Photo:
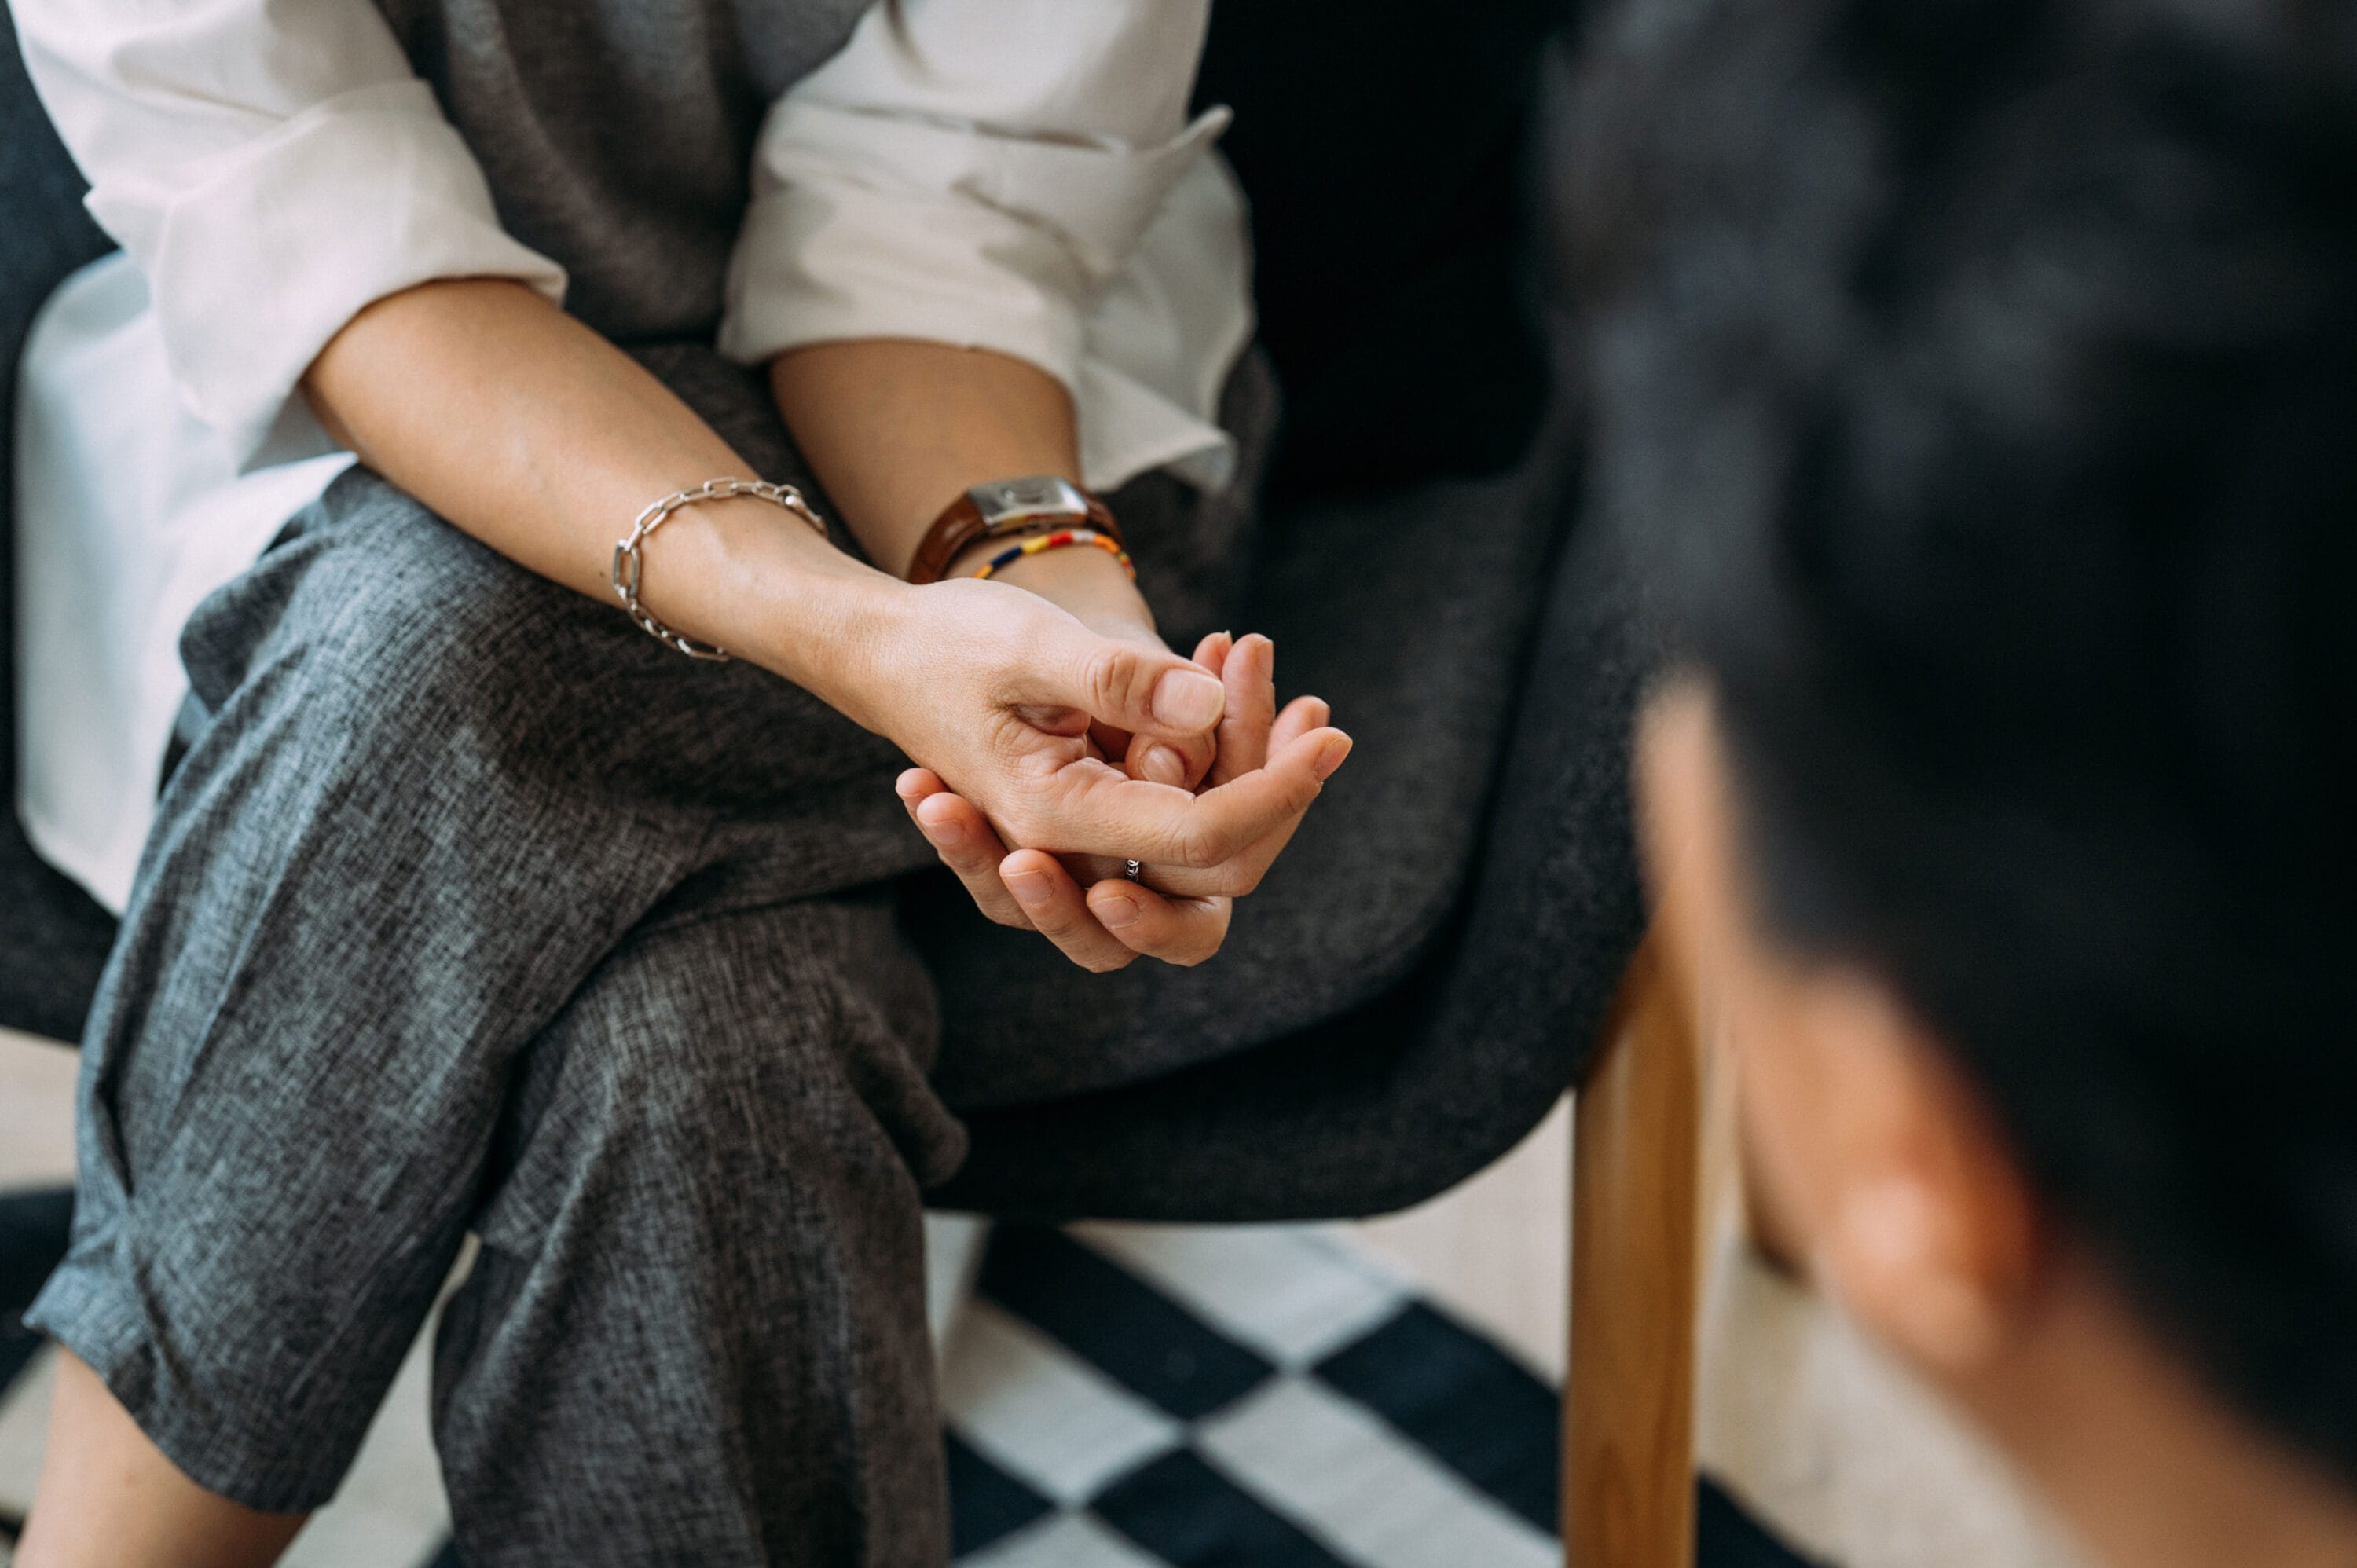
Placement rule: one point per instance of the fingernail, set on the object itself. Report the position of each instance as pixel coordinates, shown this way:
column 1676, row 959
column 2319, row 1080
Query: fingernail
column 1115, row 910
column 1163, row 765
column 1188, row 700
column 1031, row 887
column 1331, row 758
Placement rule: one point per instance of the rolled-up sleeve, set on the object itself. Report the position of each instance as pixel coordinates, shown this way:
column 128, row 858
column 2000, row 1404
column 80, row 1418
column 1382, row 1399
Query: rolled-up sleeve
column 272, row 167
column 970, row 174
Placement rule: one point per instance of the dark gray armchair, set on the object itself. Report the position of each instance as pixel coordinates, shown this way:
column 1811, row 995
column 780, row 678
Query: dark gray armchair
column 1509, row 907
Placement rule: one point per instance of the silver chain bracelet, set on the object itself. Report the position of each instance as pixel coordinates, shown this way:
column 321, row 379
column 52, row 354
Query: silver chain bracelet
column 628, row 562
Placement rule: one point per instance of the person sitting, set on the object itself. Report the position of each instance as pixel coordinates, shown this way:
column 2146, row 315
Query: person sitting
column 1986, row 376
column 535, row 476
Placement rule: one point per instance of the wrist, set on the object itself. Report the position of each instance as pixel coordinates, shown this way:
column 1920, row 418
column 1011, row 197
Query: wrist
column 1087, row 583
column 778, row 595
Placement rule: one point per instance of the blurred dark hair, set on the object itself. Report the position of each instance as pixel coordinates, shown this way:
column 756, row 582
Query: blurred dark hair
column 1982, row 377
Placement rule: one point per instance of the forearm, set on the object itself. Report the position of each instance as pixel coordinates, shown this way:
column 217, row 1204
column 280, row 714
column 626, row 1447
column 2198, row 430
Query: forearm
column 896, row 429
column 527, row 430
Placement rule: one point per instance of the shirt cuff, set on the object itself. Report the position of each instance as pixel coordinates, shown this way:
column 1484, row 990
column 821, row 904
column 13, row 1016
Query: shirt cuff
column 258, row 255
column 871, row 225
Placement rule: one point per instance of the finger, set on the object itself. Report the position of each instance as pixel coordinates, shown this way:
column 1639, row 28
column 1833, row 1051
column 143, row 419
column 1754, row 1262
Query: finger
column 1184, row 931
column 1300, row 717
column 1187, row 763
column 1125, row 685
column 966, row 843
column 1240, row 873
column 1213, row 651
column 1183, row 763
column 1250, row 677
column 1238, row 877
column 1094, row 809
column 1088, row 870
column 1156, row 760
column 1060, row 912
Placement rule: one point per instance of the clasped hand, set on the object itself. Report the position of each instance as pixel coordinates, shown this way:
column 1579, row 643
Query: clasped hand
column 1058, row 751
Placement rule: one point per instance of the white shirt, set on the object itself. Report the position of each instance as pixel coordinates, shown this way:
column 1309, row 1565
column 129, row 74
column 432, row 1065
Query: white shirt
column 1016, row 175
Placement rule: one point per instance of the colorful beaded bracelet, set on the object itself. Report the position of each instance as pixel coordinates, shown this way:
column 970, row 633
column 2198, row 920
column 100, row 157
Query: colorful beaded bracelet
column 1041, row 542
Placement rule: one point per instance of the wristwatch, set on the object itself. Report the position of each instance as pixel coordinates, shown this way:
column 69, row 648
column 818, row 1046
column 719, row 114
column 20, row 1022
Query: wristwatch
column 1003, row 507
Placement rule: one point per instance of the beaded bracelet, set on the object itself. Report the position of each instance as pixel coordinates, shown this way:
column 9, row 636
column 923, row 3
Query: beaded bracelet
column 1039, row 543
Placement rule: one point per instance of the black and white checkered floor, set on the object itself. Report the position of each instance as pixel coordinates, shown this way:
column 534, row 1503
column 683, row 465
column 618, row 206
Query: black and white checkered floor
column 1132, row 1397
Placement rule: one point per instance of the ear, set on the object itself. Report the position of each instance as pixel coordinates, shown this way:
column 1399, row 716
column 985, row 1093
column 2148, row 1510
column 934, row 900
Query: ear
column 1879, row 1161
column 1928, row 1232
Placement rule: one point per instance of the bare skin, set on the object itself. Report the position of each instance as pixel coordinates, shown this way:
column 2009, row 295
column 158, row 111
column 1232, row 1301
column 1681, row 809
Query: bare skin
column 1894, row 1188
column 108, row 1495
column 1101, row 921
column 1047, row 699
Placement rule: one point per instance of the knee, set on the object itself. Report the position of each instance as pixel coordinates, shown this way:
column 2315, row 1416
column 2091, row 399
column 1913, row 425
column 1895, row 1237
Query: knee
column 688, row 1052
column 404, row 633
column 668, row 1074
column 435, row 634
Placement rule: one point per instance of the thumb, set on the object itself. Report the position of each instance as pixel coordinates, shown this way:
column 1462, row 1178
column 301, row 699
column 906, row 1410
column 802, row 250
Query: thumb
column 1130, row 686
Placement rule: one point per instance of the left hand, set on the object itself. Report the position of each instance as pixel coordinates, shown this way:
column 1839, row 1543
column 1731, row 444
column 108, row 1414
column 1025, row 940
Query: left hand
column 1114, row 922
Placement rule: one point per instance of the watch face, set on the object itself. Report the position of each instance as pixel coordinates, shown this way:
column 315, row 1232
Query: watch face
column 1004, row 501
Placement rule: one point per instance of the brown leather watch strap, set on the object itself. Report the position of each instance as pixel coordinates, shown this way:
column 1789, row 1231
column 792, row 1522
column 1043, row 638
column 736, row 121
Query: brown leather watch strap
column 1006, row 509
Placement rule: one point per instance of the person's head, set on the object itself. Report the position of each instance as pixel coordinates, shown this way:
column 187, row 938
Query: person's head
column 1984, row 378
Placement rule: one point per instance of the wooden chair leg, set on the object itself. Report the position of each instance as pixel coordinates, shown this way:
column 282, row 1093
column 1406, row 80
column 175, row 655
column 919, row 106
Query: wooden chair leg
column 1637, row 1210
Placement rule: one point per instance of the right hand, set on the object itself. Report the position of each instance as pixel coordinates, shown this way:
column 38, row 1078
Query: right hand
column 996, row 691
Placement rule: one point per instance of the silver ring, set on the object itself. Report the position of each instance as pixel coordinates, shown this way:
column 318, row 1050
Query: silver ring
column 1134, row 870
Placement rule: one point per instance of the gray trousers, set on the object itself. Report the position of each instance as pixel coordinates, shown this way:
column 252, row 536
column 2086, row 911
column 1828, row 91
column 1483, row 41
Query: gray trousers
column 471, row 908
